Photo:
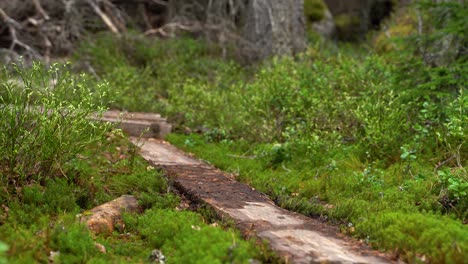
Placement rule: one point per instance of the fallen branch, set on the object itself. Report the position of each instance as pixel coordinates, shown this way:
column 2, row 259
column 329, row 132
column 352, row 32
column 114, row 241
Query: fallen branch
column 13, row 25
column 169, row 29
column 106, row 217
column 105, row 18
column 40, row 10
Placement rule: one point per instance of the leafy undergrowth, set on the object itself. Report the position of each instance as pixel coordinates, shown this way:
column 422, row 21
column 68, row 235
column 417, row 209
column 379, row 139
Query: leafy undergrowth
column 374, row 142
column 387, row 208
column 56, row 163
column 42, row 219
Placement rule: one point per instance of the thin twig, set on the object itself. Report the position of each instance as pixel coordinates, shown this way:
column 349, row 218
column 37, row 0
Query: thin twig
column 40, row 10
column 105, row 18
column 440, row 164
column 241, row 156
column 12, row 26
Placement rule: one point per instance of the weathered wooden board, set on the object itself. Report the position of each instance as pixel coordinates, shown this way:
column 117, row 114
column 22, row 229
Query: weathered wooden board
column 145, row 125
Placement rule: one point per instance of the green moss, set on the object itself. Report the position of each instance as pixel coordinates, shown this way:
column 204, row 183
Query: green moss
column 439, row 239
column 74, row 242
column 389, row 39
column 314, row 10
column 351, row 192
column 209, row 245
column 185, row 238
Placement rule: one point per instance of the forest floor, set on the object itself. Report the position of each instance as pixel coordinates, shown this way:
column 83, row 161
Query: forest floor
column 371, row 142
column 296, row 238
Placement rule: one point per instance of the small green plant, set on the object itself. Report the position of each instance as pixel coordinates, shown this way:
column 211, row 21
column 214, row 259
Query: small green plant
column 455, row 183
column 3, row 249
column 74, row 242
column 408, row 154
column 46, row 120
column 314, row 10
column 274, row 155
column 369, row 177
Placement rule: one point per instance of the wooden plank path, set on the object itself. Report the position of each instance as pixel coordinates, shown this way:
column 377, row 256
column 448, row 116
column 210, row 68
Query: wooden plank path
column 296, row 238
column 135, row 124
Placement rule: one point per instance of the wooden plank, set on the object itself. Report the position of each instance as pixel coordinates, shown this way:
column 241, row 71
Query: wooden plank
column 145, row 125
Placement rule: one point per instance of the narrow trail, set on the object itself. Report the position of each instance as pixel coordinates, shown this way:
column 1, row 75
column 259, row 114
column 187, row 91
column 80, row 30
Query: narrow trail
column 295, row 237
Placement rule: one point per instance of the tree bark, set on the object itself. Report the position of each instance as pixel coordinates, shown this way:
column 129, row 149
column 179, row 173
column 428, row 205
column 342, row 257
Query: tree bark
column 275, row 27
column 259, row 28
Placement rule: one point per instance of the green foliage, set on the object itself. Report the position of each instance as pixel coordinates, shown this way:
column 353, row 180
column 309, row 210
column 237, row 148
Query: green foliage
column 56, row 196
column 43, row 218
column 275, row 154
column 380, row 114
column 27, row 244
column 436, row 239
column 339, row 132
column 210, row 245
column 145, row 73
column 3, row 249
column 456, row 185
column 74, row 242
column 348, row 27
column 149, row 185
column 314, row 10
column 453, row 186
column 448, row 16
column 349, row 192
column 45, row 121
column 159, row 226
column 185, row 238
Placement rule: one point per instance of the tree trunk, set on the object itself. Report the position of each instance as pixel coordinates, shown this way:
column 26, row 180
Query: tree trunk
column 258, row 28
column 275, row 27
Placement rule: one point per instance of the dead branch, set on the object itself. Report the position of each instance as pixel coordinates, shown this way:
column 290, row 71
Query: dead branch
column 169, row 29
column 103, row 16
column 106, row 217
column 145, row 16
column 40, row 10
column 115, row 15
column 13, row 25
column 48, row 46
column 8, row 20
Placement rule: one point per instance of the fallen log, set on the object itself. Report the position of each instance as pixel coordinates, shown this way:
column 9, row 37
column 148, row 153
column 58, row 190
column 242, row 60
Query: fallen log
column 105, row 218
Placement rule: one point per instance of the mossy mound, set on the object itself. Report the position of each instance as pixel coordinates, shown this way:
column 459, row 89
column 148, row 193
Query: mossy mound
column 348, row 27
column 314, row 10
column 403, row 26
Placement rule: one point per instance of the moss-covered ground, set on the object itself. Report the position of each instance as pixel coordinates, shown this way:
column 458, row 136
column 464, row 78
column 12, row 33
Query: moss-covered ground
column 373, row 142
column 41, row 222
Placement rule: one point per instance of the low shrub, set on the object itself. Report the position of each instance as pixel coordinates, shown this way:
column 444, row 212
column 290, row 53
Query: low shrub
column 46, row 121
